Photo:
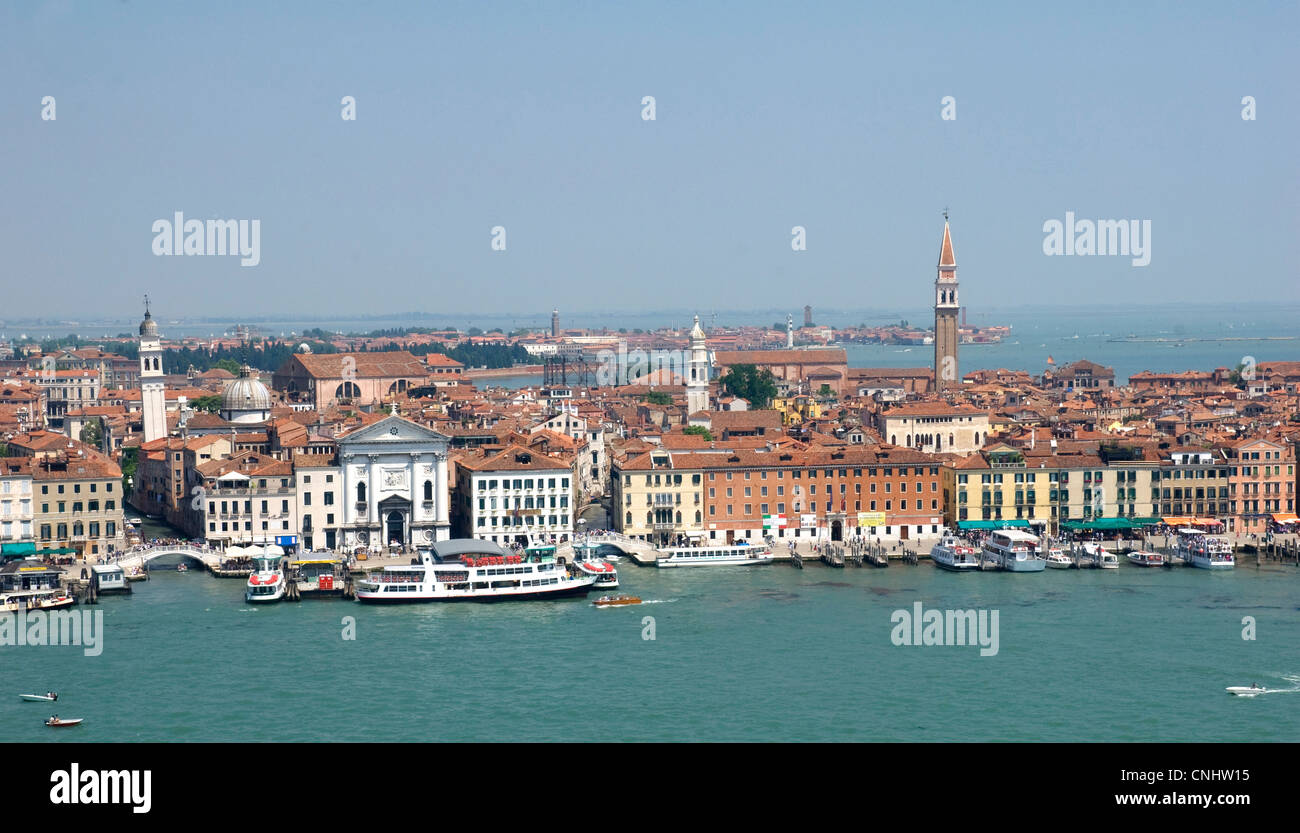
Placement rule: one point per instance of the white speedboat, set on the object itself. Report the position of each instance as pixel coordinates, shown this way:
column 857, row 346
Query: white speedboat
column 40, row 698
column 738, row 554
column 469, row 569
column 1058, row 560
column 951, row 553
column 1107, row 560
column 267, row 582
column 1247, row 691
column 1015, row 551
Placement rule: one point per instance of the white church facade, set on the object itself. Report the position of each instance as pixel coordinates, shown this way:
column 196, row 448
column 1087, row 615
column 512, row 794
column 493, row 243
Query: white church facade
column 395, row 486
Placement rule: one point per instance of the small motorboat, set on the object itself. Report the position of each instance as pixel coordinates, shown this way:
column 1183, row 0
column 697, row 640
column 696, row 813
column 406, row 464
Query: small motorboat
column 613, row 601
column 56, row 722
column 1107, row 560
column 1143, row 558
column 181, row 568
column 1058, row 560
column 40, row 698
column 1246, row 691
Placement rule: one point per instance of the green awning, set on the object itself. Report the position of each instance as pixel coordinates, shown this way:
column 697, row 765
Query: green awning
column 57, row 551
column 23, row 548
column 1109, row 523
column 1018, row 523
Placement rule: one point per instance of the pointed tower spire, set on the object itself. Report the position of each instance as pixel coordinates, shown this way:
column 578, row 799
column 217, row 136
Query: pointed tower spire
column 946, row 257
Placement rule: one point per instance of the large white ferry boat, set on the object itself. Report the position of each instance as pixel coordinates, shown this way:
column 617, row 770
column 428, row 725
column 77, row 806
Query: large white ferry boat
column 738, row 554
column 267, row 582
column 1201, row 550
column 468, row 569
column 951, row 553
column 1014, row 550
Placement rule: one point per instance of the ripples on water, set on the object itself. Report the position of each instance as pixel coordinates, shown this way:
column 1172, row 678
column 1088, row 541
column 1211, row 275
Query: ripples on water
column 738, row 654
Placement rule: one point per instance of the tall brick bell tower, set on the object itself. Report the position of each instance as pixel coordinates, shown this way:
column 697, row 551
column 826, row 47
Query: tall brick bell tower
column 946, row 306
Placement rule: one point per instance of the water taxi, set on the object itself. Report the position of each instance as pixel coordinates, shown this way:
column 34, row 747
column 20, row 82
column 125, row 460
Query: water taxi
column 1144, row 558
column 469, row 569
column 267, row 582
column 616, row 601
column 738, row 554
column 951, row 553
column 1058, row 560
column 1014, row 550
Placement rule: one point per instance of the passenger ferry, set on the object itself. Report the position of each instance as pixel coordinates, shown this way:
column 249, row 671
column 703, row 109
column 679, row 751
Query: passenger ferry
column 951, row 553
column 47, row 599
column 318, row 574
column 267, row 582
column 1201, row 550
column 469, row 569
column 1014, row 551
column 738, row 554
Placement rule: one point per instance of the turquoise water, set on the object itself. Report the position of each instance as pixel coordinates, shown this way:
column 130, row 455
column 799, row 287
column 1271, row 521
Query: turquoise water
column 769, row 653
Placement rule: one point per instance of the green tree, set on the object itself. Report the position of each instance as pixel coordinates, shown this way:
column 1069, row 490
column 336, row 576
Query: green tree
column 228, row 364
column 748, row 382
column 658, row 397
column 698, row 430
column 128, row 462
column 210, row 403
column 92, row 434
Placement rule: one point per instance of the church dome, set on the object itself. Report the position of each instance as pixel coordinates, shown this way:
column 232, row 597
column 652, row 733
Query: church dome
column 148, row 327
column 246, row 399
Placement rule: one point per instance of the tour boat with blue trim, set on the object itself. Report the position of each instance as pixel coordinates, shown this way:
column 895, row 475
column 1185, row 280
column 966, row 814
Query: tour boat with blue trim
column 707, row 555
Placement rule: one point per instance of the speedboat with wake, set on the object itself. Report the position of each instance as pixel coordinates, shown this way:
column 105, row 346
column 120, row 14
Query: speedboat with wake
column 1246, row 691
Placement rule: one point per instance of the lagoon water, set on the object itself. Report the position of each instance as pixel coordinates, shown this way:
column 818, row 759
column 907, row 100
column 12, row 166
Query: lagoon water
column 768, row 653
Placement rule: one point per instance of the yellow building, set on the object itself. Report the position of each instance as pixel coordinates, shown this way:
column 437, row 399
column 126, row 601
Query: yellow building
column 654, row 501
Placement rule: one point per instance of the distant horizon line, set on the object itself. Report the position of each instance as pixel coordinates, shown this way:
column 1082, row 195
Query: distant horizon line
column 451, row 318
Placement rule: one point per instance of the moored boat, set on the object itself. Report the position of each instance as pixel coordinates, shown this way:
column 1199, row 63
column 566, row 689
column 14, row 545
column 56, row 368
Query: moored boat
column 1145, row 558
column 1014, row 550
column 1204, row 551
column 49, row 599
column 267, row 582
column 605, row 574
column 1057, row 559
column 317, row 574
column 951, row 553
column 738, row 554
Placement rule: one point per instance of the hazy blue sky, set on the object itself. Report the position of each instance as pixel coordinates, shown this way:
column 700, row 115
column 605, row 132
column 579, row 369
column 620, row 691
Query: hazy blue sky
column 528, row 116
